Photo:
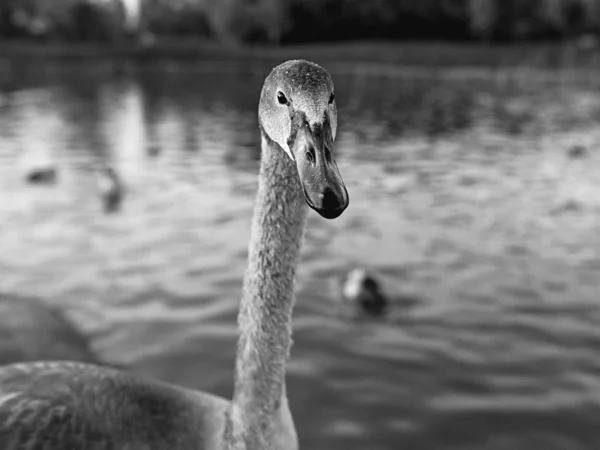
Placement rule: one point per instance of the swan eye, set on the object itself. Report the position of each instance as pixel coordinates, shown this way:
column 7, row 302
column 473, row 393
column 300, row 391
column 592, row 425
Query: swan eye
column 331, row 98
column 281, row 98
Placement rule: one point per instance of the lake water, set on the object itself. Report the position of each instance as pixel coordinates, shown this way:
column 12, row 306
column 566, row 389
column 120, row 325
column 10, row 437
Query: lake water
column 475, row 197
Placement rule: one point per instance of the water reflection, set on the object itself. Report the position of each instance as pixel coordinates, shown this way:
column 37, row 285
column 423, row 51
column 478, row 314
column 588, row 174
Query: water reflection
column 466, row 195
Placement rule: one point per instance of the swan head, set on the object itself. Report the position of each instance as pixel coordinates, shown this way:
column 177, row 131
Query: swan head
column 298, row 112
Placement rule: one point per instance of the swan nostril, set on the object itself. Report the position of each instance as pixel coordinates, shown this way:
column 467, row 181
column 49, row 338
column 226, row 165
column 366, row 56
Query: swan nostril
column 310, row 155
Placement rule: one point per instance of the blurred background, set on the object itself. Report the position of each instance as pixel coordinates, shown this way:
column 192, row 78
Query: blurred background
column 468, row 140
column 293, row 21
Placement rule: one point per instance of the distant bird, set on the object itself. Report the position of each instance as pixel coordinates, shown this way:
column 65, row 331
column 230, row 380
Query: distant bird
column 362, row 290
column 588, row 41
column 577, row 151
column 153, row 150
column 111, row 189
column 40, row 167
column 46, row 175
column 31, row 330
column 61, row 405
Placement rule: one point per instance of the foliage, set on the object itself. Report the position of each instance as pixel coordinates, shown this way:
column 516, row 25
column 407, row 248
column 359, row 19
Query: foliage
column 274, row 21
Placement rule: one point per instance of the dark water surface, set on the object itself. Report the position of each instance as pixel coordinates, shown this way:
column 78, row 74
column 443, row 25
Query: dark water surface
column 466, row 194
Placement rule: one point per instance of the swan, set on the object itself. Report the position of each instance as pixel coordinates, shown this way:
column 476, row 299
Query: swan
column 64, row 405
column 31, row 330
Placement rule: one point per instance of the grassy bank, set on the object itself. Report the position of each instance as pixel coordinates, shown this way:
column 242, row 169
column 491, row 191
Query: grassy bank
column 552, row 55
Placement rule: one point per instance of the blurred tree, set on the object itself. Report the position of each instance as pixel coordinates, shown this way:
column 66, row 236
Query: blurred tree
column 234, row 22
column 175, row 17
column 553, row 13
column 379, row 19
column 132, row 11
column 222, row 16
column 533, row 19
column 483, row 15
column 268, row 19
column 17, row 17
column 62, row 19
column 588, row 16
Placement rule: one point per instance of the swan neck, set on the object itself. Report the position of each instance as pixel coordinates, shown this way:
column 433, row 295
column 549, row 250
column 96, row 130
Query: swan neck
column 264, row 319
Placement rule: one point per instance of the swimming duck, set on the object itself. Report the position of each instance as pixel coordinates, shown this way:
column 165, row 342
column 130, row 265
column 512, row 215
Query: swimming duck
column 360, row 288
column 111, row 189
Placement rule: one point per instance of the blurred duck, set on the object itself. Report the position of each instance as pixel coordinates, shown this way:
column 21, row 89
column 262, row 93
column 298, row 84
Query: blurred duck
column 40, row 169
column 111, row 190
column 360, row 288
column 577, row 151
column 42, row 175
column 153, row 150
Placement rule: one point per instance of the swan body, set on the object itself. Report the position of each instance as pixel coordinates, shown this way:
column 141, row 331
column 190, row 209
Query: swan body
column 31, row 330
column 60, row 405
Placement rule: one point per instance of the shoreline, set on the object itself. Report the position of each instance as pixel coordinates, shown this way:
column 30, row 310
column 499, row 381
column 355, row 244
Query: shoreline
column 418, row 54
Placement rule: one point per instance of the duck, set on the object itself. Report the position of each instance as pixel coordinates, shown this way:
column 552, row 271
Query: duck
column 31, row 330
column 42, row 175
column 153, row 150
column 361, row 288
column 577, row 151
column 41, row 170
column 111, row 189
column 64, row 404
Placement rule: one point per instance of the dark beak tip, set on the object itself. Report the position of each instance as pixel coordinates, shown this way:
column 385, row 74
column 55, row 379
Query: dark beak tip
column 331, row 213
column 330, row 209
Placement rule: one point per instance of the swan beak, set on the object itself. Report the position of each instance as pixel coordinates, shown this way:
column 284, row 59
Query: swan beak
column 323, row 186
